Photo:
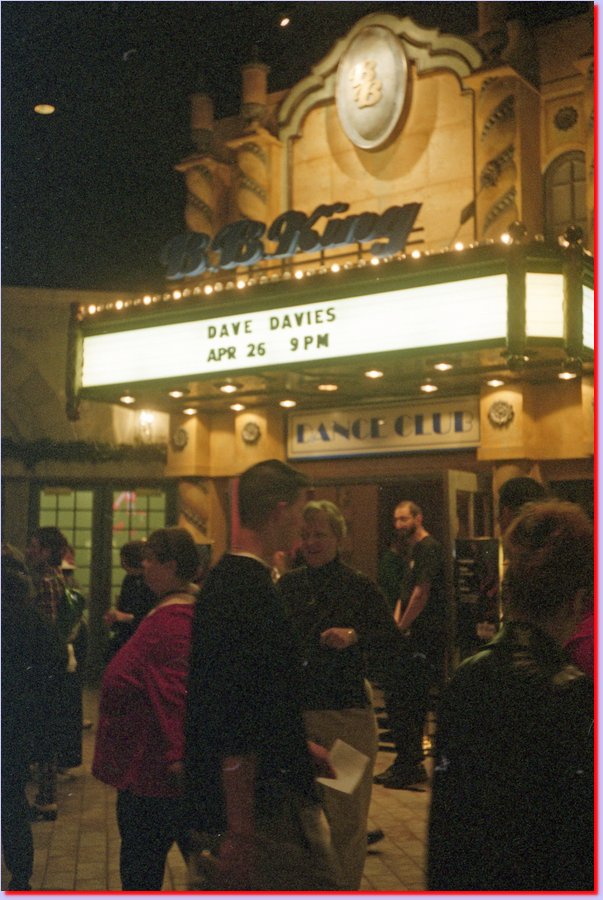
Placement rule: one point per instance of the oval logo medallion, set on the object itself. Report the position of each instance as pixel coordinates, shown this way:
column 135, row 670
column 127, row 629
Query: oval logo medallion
column 371, row 86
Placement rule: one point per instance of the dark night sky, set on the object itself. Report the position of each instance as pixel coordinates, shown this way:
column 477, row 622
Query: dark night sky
column 89, row 194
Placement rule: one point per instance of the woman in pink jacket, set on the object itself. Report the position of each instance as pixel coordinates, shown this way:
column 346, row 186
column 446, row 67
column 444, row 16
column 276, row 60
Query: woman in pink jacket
column 140, row 741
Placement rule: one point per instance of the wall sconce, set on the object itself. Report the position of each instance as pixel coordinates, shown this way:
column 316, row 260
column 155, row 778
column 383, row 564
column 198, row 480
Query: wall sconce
column 145, row 426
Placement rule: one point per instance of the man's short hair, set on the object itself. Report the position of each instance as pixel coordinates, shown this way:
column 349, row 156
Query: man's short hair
column 517, row 491
column 51, row 538
column 167, row 544
column 413, row 508
column 263, row 486
column 550, row 549
column 334, row 516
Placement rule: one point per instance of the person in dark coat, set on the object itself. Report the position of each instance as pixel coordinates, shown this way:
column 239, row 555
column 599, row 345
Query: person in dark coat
column 343, row 623
column 135, row 599
column 32, row 667
column 513, row 793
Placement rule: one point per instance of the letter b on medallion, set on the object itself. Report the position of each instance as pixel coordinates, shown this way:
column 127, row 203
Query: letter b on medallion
column 371, row 86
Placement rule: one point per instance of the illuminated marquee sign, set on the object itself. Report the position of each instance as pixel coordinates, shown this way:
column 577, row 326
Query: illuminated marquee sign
column 240, row 244
column 400, row 428
column 461, row 312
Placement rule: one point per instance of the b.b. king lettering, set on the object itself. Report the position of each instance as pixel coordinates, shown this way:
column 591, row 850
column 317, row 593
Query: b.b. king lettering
column 240, row 244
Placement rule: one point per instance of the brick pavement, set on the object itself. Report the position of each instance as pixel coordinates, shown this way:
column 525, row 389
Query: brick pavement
column 80, row 851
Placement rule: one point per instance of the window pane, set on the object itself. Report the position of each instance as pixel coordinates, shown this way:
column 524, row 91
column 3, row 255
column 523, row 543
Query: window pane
column 83, row 519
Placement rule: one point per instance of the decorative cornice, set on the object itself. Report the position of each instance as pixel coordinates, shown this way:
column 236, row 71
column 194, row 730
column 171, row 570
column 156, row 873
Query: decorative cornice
column 499, row 207
column 493, row 169
column 256, row 150
column 252, row 186
column 503, row 112
column 201, row 205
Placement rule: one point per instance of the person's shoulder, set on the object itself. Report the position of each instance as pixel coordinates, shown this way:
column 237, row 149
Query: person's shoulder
column 293, row 577
column 356, row 576
column 233, row 579
column 429, row 543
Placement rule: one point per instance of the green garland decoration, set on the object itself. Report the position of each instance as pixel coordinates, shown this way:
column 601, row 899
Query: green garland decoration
column 30, row 453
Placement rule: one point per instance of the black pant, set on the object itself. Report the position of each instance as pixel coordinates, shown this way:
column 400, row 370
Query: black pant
column 148, row 827
column 406, row 695
column 17, row 841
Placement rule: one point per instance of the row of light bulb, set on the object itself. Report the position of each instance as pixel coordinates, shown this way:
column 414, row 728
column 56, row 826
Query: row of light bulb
column 298, row 274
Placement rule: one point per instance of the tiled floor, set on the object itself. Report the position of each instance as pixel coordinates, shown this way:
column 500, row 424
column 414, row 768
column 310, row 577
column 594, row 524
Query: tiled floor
column 80, row 851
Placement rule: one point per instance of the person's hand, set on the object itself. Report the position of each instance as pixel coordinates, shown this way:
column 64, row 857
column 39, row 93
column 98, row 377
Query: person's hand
column 322, row 761
column 116, row 615
column 236, row 866
column 110, row 617
column 338, row 638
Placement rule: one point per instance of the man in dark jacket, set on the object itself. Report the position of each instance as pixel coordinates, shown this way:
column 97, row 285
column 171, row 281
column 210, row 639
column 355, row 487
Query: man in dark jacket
column 513, row 797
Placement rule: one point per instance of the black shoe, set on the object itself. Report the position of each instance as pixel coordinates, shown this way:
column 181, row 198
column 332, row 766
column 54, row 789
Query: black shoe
column 373, row 837
column 400, row 780
column 387, row 773
column 46, row 813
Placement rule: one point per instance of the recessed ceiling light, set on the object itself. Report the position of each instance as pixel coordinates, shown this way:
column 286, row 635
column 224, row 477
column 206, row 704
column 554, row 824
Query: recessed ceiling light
column 428, row 387
column 44, row 109
column 127, row 398
column 288, row 404
column 177, row 394
column 189, row 411
column 374, row 373
column 237, row 407
column 443, row 366
column 229, row 387
column 495, row 382
column 328, row 387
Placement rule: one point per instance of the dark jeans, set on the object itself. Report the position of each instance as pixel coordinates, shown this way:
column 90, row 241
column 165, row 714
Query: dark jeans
column 406, row 695
column 148, row 827
column 17, row 841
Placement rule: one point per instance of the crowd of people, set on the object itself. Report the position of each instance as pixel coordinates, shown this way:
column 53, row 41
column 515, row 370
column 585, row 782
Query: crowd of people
column 227, row 690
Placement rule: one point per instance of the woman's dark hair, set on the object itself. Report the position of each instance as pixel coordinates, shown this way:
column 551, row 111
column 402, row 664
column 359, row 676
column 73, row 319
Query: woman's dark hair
column 51, row 538
column 131, row 554
column 550, row 549
column 177, row 544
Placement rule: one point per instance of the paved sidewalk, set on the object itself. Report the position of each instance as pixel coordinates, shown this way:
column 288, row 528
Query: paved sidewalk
column 80, row 851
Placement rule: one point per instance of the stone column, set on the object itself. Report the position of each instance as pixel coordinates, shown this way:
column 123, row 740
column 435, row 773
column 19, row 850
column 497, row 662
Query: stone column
column 199, row 169
column 507, row 152
column 252, row 149
column 586, row 66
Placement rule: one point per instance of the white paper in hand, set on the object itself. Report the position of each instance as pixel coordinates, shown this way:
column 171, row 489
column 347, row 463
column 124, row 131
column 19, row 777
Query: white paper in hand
column 350, row 765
